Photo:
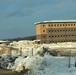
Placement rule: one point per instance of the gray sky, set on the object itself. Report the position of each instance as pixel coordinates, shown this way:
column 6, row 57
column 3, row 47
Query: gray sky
column 17, row 17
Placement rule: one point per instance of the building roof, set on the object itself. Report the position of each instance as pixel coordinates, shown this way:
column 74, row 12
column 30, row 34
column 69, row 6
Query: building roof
column 56, row 21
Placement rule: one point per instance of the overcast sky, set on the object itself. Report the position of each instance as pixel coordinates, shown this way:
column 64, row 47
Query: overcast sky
column 17, row 17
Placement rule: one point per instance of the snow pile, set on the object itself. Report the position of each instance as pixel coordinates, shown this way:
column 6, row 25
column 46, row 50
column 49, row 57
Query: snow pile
column 18, row 64
column 39, row 61
column 23, row 46
column 46, row 65
column 62, row 45
column 7, row 61
column 4, row 61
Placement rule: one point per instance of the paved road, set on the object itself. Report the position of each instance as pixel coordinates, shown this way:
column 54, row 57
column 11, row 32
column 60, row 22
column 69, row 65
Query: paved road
column 9, row 72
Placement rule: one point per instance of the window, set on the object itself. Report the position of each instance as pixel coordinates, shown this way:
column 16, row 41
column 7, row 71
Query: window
column 52, row 30
column 57, row 24
column 53, row 41
column 66, row 30
column 43, row 30
column 50, row 42
column 49, row 30
column 44, row 42
column 71, row 24
column 63, row 24
column 54, row 24
column 68, row 24
column 58, row 30
column 55, row 36
column 60, row 24
column 43, row 36
column 55, row 30
column 63, row 30
column 61, row 35
column 49, row 25
column 68, row 35
column 49, row 36
column 58, row 35
column 43, row 25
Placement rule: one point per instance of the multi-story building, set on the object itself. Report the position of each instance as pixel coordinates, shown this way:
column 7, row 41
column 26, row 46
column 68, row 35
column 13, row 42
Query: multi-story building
column 55, row 31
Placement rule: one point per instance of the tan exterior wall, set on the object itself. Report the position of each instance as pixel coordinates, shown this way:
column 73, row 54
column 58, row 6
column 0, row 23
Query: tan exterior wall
column 38, row 29
column 38, row 32
column 53, row 32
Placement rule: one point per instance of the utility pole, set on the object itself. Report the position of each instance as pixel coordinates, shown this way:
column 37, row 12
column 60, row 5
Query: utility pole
column 32, row 51
column 69, row 58
column 75, row 61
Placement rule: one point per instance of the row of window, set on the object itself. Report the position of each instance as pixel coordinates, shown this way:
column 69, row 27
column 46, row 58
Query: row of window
column 60, row 30
column 60, row 25
column 59, row 36
column 60, row 41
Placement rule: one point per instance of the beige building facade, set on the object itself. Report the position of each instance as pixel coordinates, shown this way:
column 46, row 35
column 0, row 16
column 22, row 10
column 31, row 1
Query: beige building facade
column 55, row 31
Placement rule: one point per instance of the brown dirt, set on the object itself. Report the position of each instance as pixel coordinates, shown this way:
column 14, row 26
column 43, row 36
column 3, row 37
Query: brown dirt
column 9, row 72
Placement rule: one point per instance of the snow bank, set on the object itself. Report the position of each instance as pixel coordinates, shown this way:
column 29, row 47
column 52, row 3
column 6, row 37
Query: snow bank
column 47, row 65
column 36, row 61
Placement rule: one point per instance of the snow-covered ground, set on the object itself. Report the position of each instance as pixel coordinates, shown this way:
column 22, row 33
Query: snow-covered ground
column 37, row 61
